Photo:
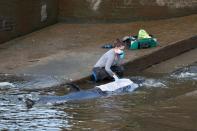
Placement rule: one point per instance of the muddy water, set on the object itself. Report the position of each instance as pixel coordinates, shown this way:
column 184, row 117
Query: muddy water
column 160, row 103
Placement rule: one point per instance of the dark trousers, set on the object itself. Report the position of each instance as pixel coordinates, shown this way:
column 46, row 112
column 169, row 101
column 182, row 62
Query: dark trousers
column 99, row 74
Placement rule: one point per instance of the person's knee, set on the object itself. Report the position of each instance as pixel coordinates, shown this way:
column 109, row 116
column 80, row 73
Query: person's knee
column 119, row 70
column 98, row 74
column 120, row 74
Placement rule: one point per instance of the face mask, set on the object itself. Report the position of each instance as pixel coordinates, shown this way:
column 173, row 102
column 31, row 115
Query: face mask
column 122, row 55
column 119, row 52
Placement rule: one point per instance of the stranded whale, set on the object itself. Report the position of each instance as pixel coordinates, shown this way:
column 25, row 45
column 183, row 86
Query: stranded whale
column 122, row 85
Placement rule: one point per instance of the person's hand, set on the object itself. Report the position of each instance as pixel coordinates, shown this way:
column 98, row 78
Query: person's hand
column 115, row 77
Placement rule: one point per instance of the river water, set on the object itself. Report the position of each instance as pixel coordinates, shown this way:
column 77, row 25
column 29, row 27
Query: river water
column 164, row 102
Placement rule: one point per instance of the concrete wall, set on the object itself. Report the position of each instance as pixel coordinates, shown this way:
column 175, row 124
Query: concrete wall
column 19, row 17
column 118, row 10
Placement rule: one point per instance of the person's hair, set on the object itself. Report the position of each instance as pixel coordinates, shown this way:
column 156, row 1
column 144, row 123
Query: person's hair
column 118, row 43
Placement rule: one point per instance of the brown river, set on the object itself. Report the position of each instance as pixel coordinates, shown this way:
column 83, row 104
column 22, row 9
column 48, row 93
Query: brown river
column 164, row 102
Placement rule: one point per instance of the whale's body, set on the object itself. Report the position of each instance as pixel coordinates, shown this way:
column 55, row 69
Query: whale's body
column 122, row 85
column 74, row 96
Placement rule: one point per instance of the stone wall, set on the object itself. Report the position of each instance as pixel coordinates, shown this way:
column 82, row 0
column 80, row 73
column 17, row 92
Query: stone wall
column 118, row 10
column 19, row 17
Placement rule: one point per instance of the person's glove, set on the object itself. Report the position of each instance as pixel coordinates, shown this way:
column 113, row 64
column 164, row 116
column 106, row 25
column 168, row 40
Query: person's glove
column 115, row 77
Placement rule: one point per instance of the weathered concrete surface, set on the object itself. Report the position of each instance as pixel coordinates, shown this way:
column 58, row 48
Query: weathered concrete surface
column 19, row 17
column 170, row 65
column 68, row 51
column 121, row 10
column 163, row 54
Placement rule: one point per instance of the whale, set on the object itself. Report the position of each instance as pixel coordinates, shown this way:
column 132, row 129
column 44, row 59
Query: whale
column 121, row 86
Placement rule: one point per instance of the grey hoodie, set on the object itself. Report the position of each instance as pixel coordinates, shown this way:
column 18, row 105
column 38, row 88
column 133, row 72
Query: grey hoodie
column 110, row 58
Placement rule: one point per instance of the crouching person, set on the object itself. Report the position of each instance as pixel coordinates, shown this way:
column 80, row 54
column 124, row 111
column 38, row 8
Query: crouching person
column 109, row 65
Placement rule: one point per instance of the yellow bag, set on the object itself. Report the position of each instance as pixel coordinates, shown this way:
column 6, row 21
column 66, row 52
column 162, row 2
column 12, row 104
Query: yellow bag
column 143, row 34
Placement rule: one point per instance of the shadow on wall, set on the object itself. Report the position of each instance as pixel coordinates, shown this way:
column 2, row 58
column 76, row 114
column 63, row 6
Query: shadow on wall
column 121, row 10
column 19, row 17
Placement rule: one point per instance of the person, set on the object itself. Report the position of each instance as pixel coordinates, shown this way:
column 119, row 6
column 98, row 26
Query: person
column 109, row 65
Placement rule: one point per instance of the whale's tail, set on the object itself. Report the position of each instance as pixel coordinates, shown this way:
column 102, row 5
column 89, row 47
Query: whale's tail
column 29, row 103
